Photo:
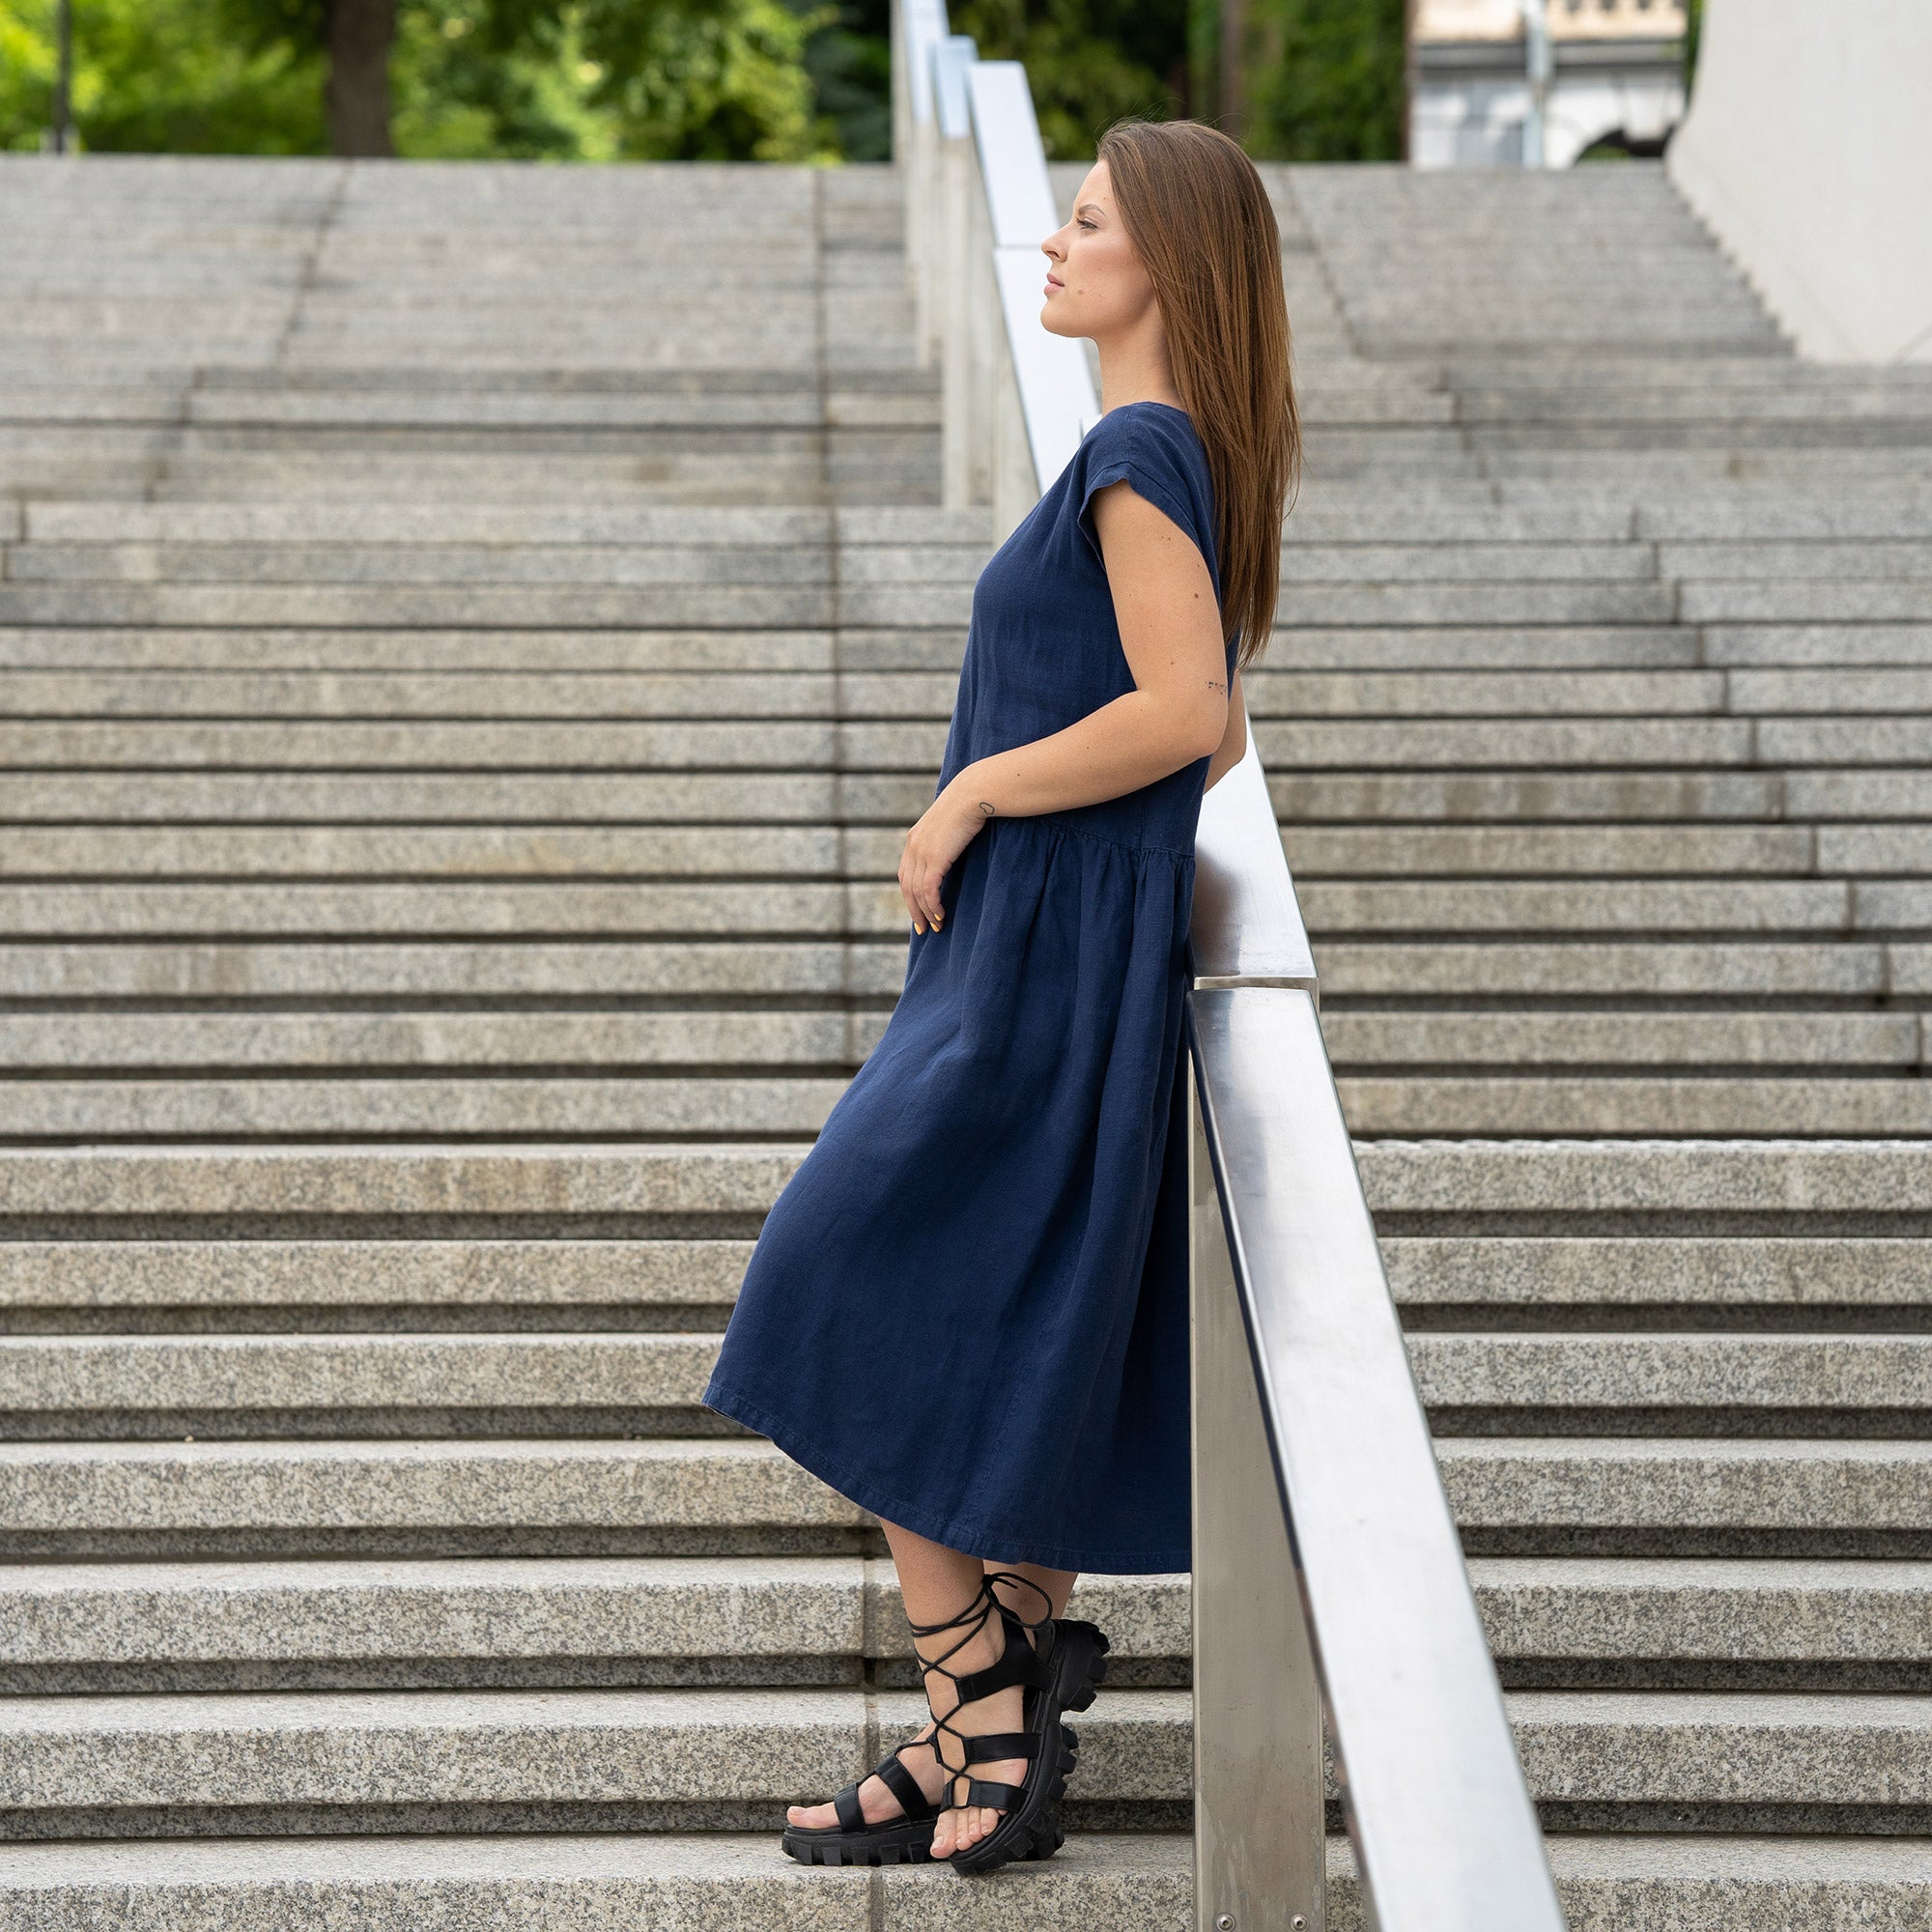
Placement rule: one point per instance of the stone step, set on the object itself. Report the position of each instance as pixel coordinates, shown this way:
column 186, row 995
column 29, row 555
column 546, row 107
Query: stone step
column 1607, row 799
column 373, row 1283
column 1763, row 1385
column 1527, row 908
column 1684, row 1041
column 567, row 1621
column 1408, row 970
column 1505, row 1107
column 368, row 1284
column 598, row 1104
column 441, row 973
column 1578, row 1496
column 373, row 1496
column 398, row 1043
column 506, row 797
column 1129, row 1883
column 452, row 854
column 450, row 972
column 1769, row 1184
column 585, row 1189
column 235, row 1385
column 332, row 1762
column 1557, row 1280
column 927, row 695
column 718, row 908
column 151, row 648
column 575, row 1621
column 498, row 798
column 373, row 529
column 1689, row 1497
column 646, row 605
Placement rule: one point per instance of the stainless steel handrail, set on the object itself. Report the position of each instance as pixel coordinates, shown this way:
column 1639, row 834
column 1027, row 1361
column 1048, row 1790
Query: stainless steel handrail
column 1328, row 1570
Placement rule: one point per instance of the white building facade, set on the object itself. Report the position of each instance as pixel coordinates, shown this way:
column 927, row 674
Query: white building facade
column 1609, row 68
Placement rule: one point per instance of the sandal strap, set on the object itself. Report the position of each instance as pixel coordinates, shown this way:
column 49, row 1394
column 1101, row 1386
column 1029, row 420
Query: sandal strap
column 904, row 1786
column 989, row 1791
column 1018, row 1664
column 845, row 1802
column 990, row 1747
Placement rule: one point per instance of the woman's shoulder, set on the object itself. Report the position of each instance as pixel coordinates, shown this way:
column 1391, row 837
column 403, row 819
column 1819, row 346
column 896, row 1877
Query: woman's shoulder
column 1157, row 449
column 1157, row 427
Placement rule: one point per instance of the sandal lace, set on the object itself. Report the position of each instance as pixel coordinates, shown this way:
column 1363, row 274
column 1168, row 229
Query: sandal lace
column 1019, row 1663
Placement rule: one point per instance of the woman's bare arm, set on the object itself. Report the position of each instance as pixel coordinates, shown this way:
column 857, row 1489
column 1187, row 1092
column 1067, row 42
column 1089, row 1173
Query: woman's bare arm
column 1178, row 711
column 1233, row 747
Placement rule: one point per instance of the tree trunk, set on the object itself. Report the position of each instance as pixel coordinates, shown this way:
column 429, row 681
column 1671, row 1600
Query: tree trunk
column 1233, row 104
column 360, row 33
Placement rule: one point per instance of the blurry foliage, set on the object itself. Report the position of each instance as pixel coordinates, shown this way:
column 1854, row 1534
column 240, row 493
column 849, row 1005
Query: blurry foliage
column 686, row 79
column 1089, row 61
column 1326, row 80
column 563, row 79
column 159, row 74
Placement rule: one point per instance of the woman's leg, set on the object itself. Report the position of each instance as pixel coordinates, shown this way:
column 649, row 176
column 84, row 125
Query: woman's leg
column 936, row 1583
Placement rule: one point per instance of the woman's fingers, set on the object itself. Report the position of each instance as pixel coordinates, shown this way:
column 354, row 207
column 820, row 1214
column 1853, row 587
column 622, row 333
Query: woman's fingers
column 920, row 885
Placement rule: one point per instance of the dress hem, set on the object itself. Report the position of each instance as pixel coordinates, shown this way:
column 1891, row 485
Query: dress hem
column 962, row 1534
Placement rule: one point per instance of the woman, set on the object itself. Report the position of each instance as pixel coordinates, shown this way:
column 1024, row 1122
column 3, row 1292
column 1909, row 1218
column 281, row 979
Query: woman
column 967, row 1310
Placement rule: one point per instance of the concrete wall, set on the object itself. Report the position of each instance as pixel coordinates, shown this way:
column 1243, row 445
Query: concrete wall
column 1808, row 152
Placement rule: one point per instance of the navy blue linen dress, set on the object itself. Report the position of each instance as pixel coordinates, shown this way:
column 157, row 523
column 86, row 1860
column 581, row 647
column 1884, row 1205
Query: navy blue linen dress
column 967, row 1309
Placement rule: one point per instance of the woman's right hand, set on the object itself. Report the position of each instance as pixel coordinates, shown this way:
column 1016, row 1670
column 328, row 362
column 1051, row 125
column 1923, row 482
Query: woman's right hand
column 950, row 824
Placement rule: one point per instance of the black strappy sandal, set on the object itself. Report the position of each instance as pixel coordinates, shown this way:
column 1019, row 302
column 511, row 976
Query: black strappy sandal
column 904, row 1840
column 1061, row 1674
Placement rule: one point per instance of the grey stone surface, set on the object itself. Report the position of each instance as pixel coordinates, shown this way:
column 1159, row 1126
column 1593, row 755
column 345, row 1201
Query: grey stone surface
column 363, row 1485
column 1793, row 1179
column 1665, row 1484
column 554, row 1607
column 1553, row 1271
column 1810, row 1373
column 1612, row 1105
column 374, row 1182
column 1505, row 1040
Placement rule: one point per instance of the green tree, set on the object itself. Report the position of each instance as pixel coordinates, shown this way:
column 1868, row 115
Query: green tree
column 565, row 79
column 1323, row 78
column 1089, row 62
column 157, row 75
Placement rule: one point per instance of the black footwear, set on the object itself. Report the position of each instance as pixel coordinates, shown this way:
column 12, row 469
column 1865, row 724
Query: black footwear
column 904, row 1840
column 1059, row 1675
column 1075, row 1654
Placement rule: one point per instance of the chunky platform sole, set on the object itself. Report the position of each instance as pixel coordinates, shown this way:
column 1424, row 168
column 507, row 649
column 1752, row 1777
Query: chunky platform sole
column 1077, row 1657
column 910, row 1844
column 904, row 1841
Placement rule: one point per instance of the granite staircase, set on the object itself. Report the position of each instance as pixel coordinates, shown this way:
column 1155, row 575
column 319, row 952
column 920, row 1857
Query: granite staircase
column 470, row 641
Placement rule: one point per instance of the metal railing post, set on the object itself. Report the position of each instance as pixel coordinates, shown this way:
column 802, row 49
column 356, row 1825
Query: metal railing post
column 953, row 227
column 1259, row 1828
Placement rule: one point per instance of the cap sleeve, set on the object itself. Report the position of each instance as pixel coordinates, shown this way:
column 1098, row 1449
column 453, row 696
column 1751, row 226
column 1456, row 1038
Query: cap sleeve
column 1123, row 446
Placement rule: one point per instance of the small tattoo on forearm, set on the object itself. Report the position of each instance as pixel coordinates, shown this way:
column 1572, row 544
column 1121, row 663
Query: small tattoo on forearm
column 987, row 808
column 1214, row 684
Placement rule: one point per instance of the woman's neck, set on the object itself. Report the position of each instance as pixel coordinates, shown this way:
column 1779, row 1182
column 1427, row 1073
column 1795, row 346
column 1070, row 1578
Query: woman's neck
column 1134, row 369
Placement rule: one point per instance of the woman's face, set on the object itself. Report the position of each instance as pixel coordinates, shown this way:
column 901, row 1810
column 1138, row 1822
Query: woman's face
column 1095, row 283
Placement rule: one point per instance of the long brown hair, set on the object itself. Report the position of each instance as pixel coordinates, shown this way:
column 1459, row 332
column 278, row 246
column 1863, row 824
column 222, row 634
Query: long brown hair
column 1199, row 217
